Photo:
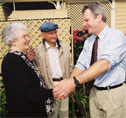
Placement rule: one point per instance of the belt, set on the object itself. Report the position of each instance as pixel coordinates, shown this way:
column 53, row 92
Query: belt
column 57, row 79
column 109, row 87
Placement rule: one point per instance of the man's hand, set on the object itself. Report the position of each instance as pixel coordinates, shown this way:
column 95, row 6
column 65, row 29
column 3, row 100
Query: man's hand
column 30, row 53
column 63, row 88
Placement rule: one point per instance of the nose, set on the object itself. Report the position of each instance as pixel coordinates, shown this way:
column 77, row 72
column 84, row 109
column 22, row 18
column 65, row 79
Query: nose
column 27, row 38
column 84, row 24
column 55, row 35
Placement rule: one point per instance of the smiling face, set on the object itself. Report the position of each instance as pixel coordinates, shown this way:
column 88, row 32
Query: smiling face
column 50, row 37
column 22, row 41
column 91, row 22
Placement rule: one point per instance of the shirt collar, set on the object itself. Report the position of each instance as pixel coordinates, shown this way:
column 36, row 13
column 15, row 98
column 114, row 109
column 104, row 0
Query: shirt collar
column 48, row 46
column 102, row 34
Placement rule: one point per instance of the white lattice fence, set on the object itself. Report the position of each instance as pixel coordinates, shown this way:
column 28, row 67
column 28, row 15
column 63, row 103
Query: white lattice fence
column 35, row 34
column 64, row 31
column 74, row 11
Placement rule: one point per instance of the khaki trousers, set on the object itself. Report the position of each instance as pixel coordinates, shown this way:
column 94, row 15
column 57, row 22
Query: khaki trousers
column 108, row 103
column 61, row 109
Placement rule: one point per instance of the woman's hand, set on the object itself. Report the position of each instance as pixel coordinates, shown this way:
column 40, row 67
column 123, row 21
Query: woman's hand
column 30, row 53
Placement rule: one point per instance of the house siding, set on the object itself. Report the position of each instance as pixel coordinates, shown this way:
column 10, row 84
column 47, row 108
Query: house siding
column 120, row 15
column 2, row 14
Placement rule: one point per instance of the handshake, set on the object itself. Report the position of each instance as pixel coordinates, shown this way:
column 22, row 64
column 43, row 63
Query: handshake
column 64, row 87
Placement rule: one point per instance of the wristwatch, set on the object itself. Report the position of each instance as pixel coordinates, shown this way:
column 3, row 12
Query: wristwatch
column 76, row 82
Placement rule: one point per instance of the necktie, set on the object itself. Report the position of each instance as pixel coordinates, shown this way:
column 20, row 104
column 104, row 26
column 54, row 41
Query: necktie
column 89, row 85
column 94, row 51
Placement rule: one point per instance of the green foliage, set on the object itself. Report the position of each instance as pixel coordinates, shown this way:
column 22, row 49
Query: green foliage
column 79, row 107
column 3, row 111
column 77, row 49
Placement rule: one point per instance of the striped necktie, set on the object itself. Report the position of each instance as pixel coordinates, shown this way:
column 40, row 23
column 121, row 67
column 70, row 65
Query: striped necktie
column 89, row 85
column 94, row 51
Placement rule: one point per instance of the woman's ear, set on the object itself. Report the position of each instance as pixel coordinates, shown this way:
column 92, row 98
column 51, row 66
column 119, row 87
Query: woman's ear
column 12, row 42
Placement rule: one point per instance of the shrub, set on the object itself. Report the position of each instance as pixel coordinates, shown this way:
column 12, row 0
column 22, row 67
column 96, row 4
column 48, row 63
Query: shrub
column 79, row 103
column 3, row 111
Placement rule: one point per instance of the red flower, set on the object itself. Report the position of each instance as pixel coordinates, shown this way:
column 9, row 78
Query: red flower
column 80, row 34
column 86, row 35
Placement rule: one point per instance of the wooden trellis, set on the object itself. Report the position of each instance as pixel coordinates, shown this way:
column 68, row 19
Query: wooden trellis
column 35, row 34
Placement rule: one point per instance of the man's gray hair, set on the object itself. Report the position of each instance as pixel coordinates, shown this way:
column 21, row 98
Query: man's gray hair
column 10, row 33
column 96, row 8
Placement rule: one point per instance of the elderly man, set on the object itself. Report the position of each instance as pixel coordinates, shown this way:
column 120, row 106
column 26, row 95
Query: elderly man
column 53, row 59
column 103, row 58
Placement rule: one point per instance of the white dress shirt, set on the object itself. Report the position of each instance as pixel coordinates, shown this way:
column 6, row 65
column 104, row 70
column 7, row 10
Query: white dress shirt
column 54, row 61
column 112, row 47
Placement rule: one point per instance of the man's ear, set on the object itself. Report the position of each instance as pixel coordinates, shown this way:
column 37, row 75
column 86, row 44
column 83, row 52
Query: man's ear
column 42, row 34
column 99, row 17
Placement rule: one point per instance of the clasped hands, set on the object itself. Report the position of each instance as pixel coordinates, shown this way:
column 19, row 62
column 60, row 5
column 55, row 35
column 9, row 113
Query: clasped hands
column 63, row 88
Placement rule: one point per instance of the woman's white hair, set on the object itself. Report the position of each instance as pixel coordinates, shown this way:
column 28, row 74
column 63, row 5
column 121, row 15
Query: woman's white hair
column 9, row 32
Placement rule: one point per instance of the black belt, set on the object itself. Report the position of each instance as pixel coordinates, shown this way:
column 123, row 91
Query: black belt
column 109, row 87
column 57, row 79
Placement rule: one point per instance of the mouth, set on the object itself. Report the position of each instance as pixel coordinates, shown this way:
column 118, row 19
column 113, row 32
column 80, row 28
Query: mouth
column 86, row 28
column 54, row 39
column 26, row 43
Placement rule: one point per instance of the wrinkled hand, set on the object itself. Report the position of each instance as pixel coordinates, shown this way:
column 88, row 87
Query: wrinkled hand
column 30, row 53
column 63, row 88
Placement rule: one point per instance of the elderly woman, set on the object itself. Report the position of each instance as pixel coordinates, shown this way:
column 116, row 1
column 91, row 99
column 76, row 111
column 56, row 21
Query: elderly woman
column 25, row 90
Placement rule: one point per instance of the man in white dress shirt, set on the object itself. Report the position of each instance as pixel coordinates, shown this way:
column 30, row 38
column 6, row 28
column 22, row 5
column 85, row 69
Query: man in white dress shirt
column 108, row 95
